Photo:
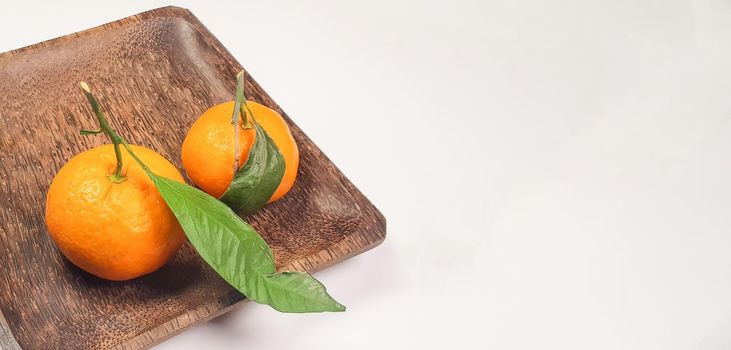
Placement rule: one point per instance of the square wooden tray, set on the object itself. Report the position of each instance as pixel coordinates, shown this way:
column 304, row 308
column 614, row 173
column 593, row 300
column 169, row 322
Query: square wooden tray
column 155, row 73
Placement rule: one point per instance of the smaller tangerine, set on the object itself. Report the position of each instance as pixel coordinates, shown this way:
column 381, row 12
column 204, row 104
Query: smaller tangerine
column 208, row 148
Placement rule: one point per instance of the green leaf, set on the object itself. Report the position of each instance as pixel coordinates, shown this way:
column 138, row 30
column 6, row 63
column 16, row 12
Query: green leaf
column 257, row 180
column 237, row 253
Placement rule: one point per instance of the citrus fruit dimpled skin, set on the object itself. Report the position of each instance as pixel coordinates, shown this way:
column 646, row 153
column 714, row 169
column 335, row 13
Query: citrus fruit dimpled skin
column 208, row 148
column 116, row 231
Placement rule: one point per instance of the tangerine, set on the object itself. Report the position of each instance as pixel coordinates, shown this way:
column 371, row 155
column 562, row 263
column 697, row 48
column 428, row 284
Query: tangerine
column 208, row 148
column 114, row 230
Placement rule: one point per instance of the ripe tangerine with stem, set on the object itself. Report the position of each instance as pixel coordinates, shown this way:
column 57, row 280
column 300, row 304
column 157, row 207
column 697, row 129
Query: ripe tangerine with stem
column 105, row 214
column 209, row 148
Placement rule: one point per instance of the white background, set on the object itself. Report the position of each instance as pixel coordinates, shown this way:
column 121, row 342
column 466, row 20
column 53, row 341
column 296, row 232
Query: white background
column 555, row 174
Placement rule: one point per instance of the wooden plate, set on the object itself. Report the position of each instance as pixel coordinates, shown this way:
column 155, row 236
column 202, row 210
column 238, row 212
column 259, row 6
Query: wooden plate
column 155, row 73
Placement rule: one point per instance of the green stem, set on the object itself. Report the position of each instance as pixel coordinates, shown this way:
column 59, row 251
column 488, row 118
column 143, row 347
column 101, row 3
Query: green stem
column 116, row 139
column 117, row 177
column 134, row 156
column 240, row 103
column 239, row 112
column 235, row 119
column 248, row 116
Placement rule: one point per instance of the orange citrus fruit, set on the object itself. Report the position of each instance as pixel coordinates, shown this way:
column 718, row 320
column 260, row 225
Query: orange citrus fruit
column 208, row 148
column 116, row 231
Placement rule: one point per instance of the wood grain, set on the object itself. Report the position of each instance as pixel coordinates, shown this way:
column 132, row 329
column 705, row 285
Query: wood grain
column 155, row 73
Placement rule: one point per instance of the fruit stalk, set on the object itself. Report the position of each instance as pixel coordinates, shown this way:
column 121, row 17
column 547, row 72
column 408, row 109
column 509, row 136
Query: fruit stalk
column 117, row 177
column 239, row 112
column 116, row 139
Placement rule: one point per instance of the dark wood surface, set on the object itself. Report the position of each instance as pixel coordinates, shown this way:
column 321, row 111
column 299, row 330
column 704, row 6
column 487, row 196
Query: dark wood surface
column 155, row 73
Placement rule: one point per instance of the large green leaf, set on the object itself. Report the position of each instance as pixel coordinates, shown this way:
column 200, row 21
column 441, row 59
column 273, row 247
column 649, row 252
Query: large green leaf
column 260, row 176
column 237, row 253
